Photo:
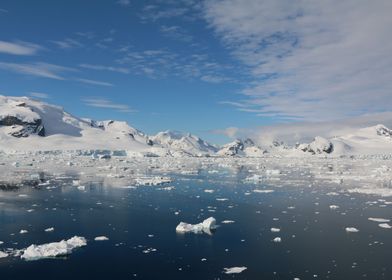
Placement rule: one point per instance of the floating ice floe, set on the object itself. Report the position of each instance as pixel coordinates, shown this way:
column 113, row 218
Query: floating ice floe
column 263, row 191
column 275, row 229
column 277, row 240
column 227, row 222
column 384, row 192
column 55, row 249
column 101, row 238
column 379, row 220
column 273, row 172
column 206, row 226
column 23, row 231
column 385, row 225
column 333, row 207
column 234, row 270
column 152, row 181
column 49, row 229
column 3, row 254
column 352, row 229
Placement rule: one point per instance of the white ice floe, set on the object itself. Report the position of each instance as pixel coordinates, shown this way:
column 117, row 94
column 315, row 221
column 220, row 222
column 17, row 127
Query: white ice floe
column 3, row 254
column 272, row 172
column 385, row 225
column 227, row 222
column 152, row 181
column 234, row 270
column 275, row 229
column 209, row 191
column 352, row 229
column 101, row 238
column 206, row 226
column 333, row 207
column 50, row 250
column 277, row 240
column 384, row 192
column 49, row 229
column 379, row 220
column 23, row 231
column 263, row 191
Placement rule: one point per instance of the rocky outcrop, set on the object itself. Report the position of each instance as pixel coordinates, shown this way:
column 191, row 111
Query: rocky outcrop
column 319, row 145
column 20, row 128
column 241, row 148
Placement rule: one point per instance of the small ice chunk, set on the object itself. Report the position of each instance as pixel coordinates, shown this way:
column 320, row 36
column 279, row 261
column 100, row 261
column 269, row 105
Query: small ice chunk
column 209, row 191
column 352, row 229
column 49, row 229
column 23, row 231
column 379, row 220
column 227, row 222
column 3, row 254
column 277, row 240
column 101, row 238
column 275, row 229
column 234, row 270
column 263, row 191
column 385, row 225
column 50, row 250
column 333, row 207
column 206, row 226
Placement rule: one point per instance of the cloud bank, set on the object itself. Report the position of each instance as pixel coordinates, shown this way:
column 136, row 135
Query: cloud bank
column 309, row 60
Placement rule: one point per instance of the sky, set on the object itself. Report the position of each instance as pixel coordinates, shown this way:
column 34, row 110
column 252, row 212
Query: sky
column 217, row 69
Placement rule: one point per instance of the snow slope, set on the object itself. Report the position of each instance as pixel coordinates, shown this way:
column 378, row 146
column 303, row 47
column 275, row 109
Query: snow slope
column 183, row 143
column 35, row 126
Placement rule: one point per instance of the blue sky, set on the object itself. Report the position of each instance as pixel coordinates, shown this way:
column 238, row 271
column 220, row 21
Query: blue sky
column 207, row 67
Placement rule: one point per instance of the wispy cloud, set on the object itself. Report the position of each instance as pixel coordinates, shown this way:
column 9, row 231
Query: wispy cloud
column 94, row 82
column 309, row 60
column 40, row 95
column 38, row 69
column 124, row 2
column 68, row 43
column 19, row 48
column 105, row 68
column 99, row 102
column 176, row 32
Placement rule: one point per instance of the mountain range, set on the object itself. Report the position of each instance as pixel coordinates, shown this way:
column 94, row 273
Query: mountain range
column 31, row 125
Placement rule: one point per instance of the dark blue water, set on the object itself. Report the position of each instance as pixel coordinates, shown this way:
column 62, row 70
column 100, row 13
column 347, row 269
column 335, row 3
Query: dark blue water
column 314, row 243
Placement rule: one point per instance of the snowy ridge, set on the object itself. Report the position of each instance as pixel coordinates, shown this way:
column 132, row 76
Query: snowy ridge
column 29, row 126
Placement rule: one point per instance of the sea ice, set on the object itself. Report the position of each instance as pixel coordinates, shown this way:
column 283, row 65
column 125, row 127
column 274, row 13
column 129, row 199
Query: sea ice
column 277, row 240
column 385, row 225
column 206, row 226
column 101, row 238
column 275, row 229
column 49, row 229
column 3, row 255
column 352, row 229
column 379, row 220
column 50, row 250
column 232, row 270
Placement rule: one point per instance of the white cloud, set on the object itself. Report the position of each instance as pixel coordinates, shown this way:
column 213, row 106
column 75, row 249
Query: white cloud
column 38, row 69
column 68, row 43
column 124, row 2
column 291, row 133
column 94, row 82
column 107, row 104
column 105, row 68
column 310, row 60
column 40, row 95
column 19, row 48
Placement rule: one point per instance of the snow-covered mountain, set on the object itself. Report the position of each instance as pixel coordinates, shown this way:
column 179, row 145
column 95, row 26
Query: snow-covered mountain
column 183, row 143
column 241, row 148
column 31, row 125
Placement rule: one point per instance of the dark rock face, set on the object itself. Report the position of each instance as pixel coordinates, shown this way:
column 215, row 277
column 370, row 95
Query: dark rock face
column 26, row 128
